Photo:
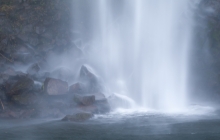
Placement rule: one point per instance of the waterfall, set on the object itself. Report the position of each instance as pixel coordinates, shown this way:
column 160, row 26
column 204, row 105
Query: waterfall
column 141, row 49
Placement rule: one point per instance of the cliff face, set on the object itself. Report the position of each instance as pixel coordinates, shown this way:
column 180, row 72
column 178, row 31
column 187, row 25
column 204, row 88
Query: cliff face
column 29, row 29
column 205, row 64
column 35, row 34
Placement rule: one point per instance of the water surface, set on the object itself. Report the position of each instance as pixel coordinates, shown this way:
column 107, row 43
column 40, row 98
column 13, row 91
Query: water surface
column 119, row 125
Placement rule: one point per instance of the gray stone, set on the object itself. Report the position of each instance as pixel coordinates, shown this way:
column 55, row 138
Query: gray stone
column 25, row 99
column 77, row 88
column 84, row 99
column 23, row 84
column 33, row 69
column 90, row 80
column 55, row 86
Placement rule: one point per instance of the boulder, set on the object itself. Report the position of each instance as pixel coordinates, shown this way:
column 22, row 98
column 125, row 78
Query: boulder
column 78, row 117
column 9, row 71
column 6, row 74
column 33, row 69
column 25, row 99
column 86, row 75
column 77, row 88
column 8, row 81
column 90, row 80
column 23, row 84
column 55, row 86
column 120, row 101
column 99, row 96
column 101, row 103
column 37, row 87
column 102, row 106
column 94, row 103
column 84, row 99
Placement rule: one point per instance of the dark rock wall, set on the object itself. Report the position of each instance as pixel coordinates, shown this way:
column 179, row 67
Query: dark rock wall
column 29, row 29
column 205, row 62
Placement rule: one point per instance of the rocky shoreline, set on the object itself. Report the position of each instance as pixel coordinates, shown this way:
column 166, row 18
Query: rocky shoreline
column 22, row 97
column 31, row 32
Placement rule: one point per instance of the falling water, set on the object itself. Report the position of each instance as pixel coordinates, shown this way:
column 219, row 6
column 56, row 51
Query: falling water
column 141, row 49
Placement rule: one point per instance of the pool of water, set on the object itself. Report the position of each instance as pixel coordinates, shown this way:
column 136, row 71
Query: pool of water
column 195, row 124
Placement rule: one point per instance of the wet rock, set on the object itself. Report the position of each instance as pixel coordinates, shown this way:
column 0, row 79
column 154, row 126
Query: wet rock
column 55, row 86
column 77, row 88
column 9, row 71
column 6, row 74
column 23, row 58
column 120, row 101
column 102, row 106
column 99, row 97
column 78, row 117
column 8, row 81
column 23, row 84
column 33, row 69
column 86, row 75
column 90, row 80
column 101, row 103
column 20, row 74
column 84, row 99
column 25, row 99
column 94, row 103
column 37, row 87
